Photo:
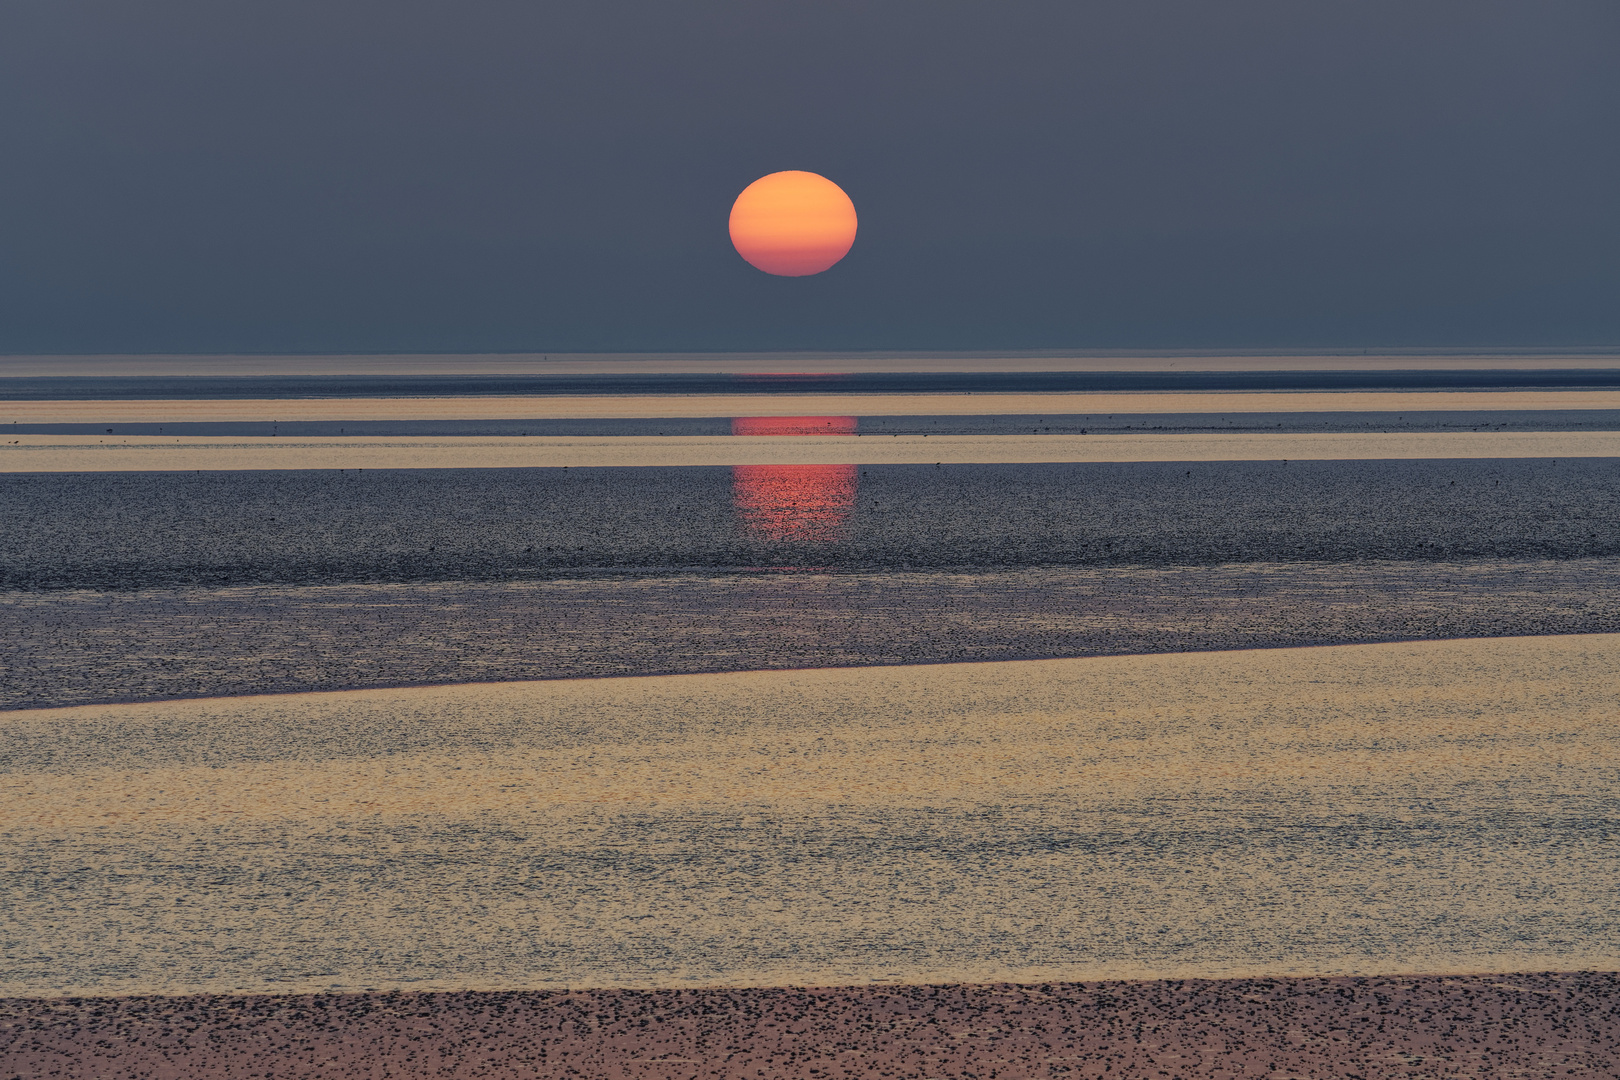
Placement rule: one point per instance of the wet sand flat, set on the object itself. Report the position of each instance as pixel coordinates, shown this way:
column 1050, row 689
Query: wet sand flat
column 1441, row 806
column 1480, row 1027
column 505, row 407
column 141, row 453
column 81, row 646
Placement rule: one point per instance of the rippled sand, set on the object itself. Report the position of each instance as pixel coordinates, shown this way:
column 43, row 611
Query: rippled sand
column 113, row 453
column 1353, row 809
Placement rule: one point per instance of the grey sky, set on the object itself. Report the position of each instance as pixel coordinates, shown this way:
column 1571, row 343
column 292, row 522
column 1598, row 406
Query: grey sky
column 320, row 176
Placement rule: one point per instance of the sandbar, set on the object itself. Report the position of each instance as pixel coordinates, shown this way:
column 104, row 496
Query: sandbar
column 141, row 453
column 507, row 407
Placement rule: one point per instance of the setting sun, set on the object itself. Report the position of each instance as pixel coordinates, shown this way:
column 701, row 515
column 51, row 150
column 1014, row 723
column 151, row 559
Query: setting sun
column 793, row 224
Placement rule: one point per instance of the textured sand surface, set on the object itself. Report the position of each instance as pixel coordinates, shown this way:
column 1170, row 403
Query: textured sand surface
column 1352, row 809
column 78, row 647
column 677, row 405
column 1540, row 1026
column 114, row 453
column 1362, row 811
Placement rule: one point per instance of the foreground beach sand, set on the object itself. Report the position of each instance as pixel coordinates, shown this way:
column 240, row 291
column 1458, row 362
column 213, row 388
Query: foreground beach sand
column 1480, row 1027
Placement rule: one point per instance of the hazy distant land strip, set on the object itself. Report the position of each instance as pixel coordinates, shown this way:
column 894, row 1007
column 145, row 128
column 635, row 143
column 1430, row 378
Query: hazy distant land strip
column 394, row 365
column 70, row 648
column 22, row 414
column 1356, row 810
column 1573, row 419
column 135, row 387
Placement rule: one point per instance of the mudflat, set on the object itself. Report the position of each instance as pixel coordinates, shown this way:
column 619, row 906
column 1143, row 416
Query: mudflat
column 1481, row 1027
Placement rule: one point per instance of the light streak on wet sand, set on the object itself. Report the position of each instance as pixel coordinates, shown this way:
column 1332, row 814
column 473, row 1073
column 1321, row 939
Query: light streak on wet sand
column 135, row 453
column 629, row 406
column 1353, row 809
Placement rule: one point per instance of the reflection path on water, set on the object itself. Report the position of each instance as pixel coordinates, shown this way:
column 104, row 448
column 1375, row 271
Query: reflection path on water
column 801, row 503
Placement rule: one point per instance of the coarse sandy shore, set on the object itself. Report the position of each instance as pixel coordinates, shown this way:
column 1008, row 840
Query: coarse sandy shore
column 1479, row 1027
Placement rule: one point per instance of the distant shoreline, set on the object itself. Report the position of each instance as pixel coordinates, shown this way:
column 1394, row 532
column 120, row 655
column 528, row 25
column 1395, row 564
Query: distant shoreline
column 853, row 361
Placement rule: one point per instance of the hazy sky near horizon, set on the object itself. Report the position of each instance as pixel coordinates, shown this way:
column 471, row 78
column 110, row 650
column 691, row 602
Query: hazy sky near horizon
column 505, row 175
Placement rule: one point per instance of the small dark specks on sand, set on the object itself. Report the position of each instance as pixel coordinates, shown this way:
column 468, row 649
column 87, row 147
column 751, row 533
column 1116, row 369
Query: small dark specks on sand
column 1477, row 1027
column 73, row 647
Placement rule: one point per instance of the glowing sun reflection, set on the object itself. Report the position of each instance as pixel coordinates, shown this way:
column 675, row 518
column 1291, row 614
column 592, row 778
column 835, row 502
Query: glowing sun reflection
column 794, row 503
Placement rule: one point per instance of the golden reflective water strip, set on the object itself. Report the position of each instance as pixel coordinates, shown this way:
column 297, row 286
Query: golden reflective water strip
column 112, row 453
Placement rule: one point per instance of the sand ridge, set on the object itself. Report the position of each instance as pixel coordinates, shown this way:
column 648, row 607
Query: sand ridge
column 1076, row 730
column 139, row 453
column 536, row 407
column 1339, row 810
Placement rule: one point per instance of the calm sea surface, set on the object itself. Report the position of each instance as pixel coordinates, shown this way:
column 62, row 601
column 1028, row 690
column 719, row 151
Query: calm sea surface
column 141, row 530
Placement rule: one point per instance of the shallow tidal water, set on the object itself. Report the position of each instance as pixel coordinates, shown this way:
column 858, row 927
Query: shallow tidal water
column 160, row 530
column 82, row 646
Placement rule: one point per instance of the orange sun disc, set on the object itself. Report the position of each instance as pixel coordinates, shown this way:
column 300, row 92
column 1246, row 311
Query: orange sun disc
column 792, row 223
